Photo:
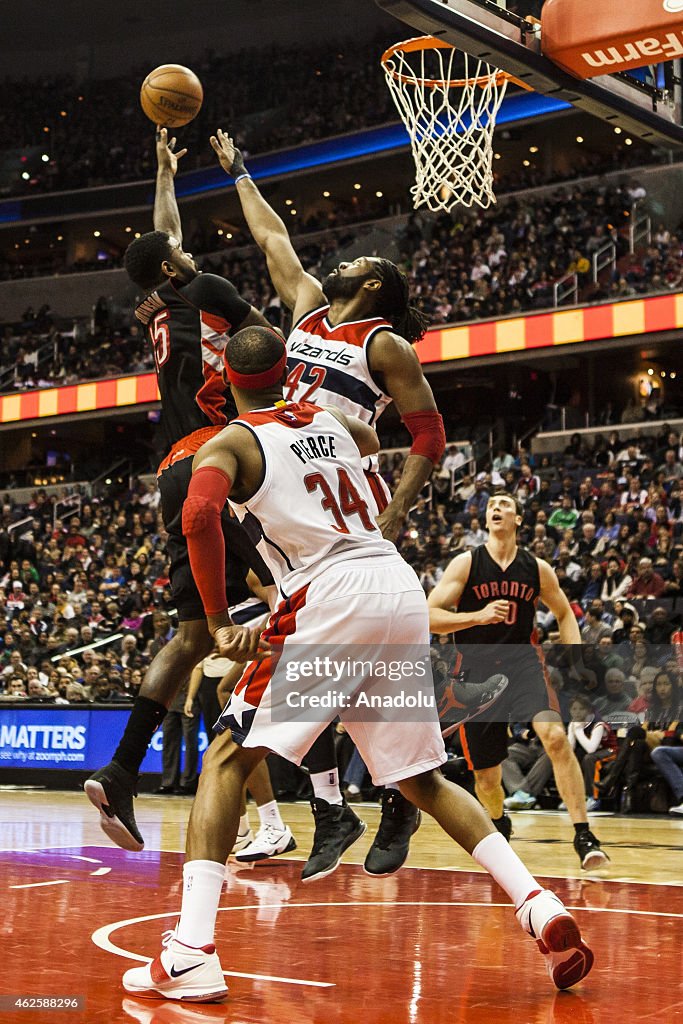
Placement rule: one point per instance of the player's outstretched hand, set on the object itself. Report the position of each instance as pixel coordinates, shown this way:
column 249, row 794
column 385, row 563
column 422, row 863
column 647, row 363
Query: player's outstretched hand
column 494, row 612
column 241, row 644
column 167, row 158
column 229, row 156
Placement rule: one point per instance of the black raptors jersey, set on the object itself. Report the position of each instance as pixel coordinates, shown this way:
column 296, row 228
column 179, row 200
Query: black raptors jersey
column 189, row 326
column 519, row 584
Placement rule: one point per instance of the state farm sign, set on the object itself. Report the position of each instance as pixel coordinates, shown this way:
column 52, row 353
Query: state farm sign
column 588, row 38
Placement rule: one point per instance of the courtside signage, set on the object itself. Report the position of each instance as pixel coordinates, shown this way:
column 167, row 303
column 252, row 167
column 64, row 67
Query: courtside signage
column 66, row 738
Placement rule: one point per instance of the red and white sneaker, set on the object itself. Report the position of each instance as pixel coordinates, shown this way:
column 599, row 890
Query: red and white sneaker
column 544, row 917
column 187, row 973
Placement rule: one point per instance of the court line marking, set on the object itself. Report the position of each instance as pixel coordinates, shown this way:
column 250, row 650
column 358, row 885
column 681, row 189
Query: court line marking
column 671, row 884
column 36, row 885
column 77, row 856
column 101, row 938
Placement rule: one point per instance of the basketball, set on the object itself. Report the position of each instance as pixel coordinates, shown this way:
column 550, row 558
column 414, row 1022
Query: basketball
column 171, row 95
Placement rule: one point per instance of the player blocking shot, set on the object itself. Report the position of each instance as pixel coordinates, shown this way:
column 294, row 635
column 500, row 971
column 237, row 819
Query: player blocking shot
column 350, row 348
column 341, row 583
column 188, row 317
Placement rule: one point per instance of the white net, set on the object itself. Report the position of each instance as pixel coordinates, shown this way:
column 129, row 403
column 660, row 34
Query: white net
column 448, row 102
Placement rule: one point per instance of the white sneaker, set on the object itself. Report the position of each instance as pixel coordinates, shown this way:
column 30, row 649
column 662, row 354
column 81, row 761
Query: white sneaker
column 544, row 917
column 268, row 842
column 678, row 809
column 242, row 841
column 186, row 973
column 519, row 801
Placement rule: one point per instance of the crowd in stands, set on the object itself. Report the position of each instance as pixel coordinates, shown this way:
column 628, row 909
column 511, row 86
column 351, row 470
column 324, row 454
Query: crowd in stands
column 461, row 267
column 268, row 97
column 609, row 519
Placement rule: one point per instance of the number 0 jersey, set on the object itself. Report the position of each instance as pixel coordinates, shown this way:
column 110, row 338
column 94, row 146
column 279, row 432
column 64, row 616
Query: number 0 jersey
column 329, row 365
column 519, row 585
column 189, row 326
column 313, row 508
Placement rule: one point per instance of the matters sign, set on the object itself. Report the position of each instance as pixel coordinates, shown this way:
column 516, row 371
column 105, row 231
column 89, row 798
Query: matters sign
column 67, row 738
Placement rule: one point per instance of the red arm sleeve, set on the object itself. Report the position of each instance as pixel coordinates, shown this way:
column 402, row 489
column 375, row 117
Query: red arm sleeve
column 427, row 432
column 206, row 496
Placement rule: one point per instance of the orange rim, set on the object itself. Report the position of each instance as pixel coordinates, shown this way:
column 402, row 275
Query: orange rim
column 432, row 43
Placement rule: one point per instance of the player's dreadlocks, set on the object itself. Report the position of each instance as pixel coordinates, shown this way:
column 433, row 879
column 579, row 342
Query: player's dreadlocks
column 392, row 302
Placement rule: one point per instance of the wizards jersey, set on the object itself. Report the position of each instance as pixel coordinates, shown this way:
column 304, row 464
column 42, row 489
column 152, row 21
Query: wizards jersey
column 329, row 365
column 314, row 507
column 189, row 326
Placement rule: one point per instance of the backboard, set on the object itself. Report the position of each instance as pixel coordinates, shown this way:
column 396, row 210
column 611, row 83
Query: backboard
column 650, row 109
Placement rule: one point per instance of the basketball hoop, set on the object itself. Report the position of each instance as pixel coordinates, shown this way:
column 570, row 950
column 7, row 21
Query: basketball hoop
column 450, row 119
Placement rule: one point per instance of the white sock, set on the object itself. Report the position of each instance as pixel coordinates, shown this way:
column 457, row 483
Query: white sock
column 495, row 855
column 269, row 814
column 243, row 826
column 326, row 786
column 202, row 883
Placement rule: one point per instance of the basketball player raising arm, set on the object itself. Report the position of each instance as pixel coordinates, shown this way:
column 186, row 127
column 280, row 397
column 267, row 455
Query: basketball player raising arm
column 166, row 213
column 351, row 344
column 188, row 317
column 351, row 348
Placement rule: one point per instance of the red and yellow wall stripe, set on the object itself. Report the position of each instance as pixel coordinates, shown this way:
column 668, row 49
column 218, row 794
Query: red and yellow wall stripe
column 562, row 327
column 490, row 337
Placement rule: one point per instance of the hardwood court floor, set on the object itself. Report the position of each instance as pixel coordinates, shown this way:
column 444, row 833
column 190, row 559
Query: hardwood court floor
column 435, row 943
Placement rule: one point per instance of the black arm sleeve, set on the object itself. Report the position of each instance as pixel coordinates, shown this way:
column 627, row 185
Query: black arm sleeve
column 217, row 296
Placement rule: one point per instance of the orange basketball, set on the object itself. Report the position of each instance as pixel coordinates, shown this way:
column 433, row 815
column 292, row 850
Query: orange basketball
column 171, row 95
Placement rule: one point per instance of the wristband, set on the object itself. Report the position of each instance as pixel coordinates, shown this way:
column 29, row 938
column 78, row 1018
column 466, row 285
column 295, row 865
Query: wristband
column 239, row 177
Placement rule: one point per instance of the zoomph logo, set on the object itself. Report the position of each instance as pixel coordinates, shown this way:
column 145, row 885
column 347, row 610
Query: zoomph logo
column 673, row 6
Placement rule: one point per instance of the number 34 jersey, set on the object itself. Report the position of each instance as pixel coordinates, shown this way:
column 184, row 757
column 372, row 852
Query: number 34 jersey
column 313, row 508
column 329, row 365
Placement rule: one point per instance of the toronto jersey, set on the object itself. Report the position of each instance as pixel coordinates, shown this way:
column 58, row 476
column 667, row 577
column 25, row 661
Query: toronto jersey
column 519, row 584
column 189, row 326
column 313, row 508
column 329, row 365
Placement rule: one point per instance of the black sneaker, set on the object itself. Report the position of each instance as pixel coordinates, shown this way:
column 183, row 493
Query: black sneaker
column 336, row 828
column 588, row 849
column 504, row 825
column 458, row 701
column 390, row 847
column 111, row 791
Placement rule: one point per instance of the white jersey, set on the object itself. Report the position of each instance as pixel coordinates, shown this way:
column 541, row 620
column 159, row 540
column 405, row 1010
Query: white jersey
column 314, row 507
column 329, row 365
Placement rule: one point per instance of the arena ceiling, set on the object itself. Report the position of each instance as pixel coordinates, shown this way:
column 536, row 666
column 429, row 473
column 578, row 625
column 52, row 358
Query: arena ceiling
column 69, row 26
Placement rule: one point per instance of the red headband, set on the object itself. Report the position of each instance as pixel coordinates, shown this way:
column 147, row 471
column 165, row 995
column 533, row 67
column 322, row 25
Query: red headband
column 257, row 381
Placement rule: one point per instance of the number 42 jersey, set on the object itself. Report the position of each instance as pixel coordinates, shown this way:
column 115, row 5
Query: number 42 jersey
column 313, row 508
column 328, row 365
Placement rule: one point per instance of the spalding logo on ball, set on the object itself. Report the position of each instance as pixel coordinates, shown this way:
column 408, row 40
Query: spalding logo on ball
column 171, row 95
